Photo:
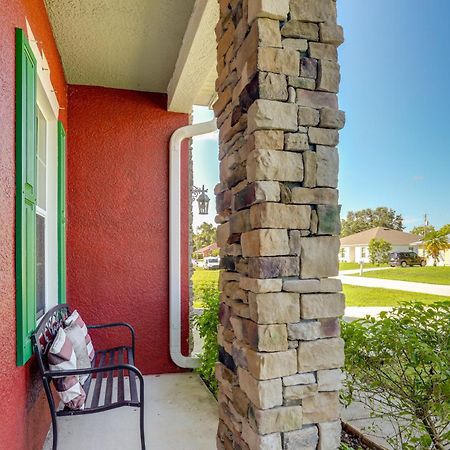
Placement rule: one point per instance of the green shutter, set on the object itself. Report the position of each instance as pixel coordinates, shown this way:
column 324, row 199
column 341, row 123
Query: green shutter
column 61, row 213
column 25, row 196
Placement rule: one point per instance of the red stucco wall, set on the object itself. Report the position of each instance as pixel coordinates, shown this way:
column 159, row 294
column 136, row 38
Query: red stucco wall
column 118, row 223
column 24, row 417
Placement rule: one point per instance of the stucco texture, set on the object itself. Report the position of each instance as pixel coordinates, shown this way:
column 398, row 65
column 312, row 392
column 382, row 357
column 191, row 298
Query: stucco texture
column 118, row 217
column 117, row 224
column 24, row 416
column 117, row 43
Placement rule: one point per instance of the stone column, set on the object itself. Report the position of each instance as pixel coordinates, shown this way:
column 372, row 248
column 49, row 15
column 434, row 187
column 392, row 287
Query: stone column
column 280, row 351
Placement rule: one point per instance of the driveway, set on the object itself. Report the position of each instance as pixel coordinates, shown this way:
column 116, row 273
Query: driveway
column 423, row 288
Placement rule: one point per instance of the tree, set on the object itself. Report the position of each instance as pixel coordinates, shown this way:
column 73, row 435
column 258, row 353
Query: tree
column 205, row 235
column 379, row 251
column 422, row 230
column 436, row 241
column 366, row 219
column 398, row 366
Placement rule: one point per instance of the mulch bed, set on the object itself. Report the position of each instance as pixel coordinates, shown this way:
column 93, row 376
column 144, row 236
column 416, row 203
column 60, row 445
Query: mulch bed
column 353, row 439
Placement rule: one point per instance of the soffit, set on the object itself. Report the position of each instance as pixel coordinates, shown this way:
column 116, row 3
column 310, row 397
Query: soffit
column 128, row 44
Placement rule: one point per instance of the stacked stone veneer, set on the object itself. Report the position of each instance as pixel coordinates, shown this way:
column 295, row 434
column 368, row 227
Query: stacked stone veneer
column 280, row 351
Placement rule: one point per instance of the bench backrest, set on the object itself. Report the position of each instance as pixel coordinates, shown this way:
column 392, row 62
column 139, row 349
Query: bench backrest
column 46, row 331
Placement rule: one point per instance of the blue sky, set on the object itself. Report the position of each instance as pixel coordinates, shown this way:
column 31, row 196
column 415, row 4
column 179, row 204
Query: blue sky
column 395, row 148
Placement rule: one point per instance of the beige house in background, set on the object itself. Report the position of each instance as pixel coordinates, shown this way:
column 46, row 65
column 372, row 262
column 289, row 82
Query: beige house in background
column 355, row 248
column 444, row 259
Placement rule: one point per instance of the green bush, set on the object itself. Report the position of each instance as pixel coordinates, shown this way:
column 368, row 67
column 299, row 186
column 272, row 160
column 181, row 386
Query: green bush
column 208, row 295
column 379, row 250
column 399, row 366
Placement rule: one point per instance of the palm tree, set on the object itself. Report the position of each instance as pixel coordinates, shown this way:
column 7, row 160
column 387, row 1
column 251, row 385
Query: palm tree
column 437, row 241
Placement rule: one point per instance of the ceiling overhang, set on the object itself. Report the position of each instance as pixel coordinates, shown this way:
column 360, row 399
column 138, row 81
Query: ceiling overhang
column 140, row 45
column 194, row 77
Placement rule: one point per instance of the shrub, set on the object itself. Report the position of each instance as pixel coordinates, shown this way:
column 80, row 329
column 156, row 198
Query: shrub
column 207, row 323
column 379, row 251
column 399, row 366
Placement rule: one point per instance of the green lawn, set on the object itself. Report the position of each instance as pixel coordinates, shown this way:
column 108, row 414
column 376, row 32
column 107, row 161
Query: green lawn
column 352, row 266
column 432, row 275
column 364, row 296
column 205, row 276
column 202, row 276
column 355, row 295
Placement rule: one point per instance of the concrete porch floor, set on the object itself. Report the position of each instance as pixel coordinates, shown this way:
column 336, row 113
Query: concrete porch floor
column 181, row 413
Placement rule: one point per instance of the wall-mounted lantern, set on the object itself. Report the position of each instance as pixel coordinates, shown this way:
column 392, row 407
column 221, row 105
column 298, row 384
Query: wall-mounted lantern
column 199, row 194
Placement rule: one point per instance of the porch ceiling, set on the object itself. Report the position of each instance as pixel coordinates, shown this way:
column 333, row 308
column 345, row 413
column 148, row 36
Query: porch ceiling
column 128, row 44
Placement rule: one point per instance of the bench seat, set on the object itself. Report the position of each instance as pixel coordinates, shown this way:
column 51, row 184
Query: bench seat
column 113, row 382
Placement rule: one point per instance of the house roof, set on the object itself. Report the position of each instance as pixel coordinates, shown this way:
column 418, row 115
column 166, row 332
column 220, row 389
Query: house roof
column 394, row 237
column 208, row 248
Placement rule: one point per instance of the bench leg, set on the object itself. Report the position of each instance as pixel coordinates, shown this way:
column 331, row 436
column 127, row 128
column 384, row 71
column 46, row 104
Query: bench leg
column 141, row 414
column 55, row 433
column 142, row 427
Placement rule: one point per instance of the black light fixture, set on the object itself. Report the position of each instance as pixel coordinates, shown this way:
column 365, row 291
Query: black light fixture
column 199, row 194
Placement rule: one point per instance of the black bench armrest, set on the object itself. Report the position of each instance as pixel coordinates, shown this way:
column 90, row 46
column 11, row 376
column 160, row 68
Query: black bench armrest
column 112, row 368
column 117, row 324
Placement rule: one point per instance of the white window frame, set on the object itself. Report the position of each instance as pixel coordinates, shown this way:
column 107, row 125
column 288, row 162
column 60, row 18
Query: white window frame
column 40, row 211
column 48, row 104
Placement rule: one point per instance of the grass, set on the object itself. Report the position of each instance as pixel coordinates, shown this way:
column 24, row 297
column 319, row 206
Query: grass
column 354, row 266
column 355, row 295
column 201, row 276
column 432, row 275
column 205, row 276
column 364, row 296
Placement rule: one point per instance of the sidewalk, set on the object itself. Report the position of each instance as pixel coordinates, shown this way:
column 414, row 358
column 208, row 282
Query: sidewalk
column 377, row 429
column 358, row 312
column 423, row 288
column 357, row 271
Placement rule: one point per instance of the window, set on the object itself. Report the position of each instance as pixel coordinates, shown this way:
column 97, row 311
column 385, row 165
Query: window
column 363, row 252
column 38, row 201
column 47, row 205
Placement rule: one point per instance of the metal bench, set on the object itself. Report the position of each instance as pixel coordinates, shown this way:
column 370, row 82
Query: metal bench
column 117, row 361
